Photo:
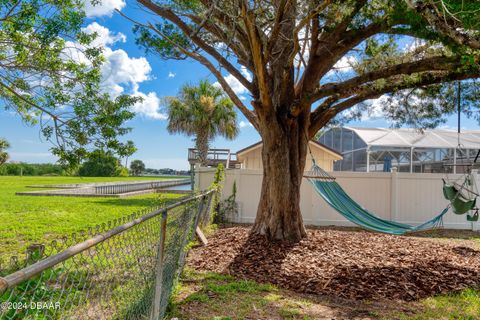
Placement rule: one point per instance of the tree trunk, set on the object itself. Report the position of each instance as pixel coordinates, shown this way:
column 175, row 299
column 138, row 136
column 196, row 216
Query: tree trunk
column 201, row 143
column 283, row 156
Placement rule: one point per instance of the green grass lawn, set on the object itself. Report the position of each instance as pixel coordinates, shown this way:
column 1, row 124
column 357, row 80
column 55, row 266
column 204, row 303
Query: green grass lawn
column 40, row 219
column 208, row 295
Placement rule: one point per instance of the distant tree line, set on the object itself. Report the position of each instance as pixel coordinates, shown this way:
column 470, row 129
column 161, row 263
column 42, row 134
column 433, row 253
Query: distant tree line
column 31, row 169
column 137, row 168
column 166, row 171
column 99, row 163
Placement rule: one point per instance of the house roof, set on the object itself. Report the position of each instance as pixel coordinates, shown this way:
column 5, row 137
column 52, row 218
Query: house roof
column 411, row 138
column 315, row 143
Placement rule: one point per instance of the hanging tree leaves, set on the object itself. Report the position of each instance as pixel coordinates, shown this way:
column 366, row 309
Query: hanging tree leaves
column 50, row 76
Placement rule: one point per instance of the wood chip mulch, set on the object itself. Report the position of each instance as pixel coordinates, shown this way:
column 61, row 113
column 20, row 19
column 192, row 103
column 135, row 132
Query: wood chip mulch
column 345, row 264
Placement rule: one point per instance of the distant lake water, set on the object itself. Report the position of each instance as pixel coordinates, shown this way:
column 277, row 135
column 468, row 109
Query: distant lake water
column 185, row 187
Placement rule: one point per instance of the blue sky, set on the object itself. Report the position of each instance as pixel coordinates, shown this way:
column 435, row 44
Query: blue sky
column 129, row 70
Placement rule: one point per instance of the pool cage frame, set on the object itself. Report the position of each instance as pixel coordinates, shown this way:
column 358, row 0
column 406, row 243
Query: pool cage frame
column 362, row 157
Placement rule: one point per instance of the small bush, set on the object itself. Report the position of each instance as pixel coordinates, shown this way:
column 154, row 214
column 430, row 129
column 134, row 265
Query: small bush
column 101, row 164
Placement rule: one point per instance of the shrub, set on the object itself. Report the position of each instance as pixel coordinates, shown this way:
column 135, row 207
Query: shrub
column 100, row 164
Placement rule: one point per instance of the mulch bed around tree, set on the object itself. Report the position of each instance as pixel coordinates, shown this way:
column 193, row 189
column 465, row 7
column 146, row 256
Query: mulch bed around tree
column 354, row 265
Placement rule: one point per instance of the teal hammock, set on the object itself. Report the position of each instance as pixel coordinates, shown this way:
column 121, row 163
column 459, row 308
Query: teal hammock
column 339, row 200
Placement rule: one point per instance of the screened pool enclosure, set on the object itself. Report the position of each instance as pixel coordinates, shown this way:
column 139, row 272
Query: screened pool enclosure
column 408, row 150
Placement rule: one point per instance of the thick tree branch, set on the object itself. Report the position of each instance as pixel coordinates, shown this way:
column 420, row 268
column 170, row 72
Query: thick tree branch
column 329, row 53
column 328, row 109
column 274, row 38
column 230, row 23
column 30, row 103
column 429, row 64
column 237, row 48
column 441, row 24
column 172, row 17
column 259, row 64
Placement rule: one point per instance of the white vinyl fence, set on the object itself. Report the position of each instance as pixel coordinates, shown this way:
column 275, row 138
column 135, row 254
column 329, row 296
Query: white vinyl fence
column 410, row 198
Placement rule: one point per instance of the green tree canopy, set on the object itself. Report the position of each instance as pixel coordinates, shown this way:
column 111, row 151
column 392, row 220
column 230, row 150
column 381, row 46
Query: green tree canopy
column 3, row 153
column 101, row 164
column 50, row 76
column 137, row 167
column 203, row 111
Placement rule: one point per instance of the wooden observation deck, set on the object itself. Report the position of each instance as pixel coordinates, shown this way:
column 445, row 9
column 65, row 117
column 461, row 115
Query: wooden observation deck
column 215, row 157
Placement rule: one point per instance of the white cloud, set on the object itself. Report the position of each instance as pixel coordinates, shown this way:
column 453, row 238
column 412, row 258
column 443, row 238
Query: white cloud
column 236, row 86
column 244, row 124
column 150, row 106
column 104, row 36
column 375, row 110
column 369, row 110
column 171, row 74
column 104, row 8
column 246, row 73
column 345, row 64
column 120, row 69
column 121, row 74
column 74, row 51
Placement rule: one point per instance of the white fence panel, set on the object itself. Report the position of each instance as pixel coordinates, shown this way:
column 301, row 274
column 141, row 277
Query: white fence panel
column 403, row 197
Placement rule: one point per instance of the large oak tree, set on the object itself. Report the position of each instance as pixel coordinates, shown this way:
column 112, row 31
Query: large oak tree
column 292, row 50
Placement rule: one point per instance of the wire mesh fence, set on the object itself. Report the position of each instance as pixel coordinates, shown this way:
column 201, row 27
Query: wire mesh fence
column 124, row 269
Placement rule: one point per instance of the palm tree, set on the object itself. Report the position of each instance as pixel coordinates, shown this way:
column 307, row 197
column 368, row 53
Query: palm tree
column 203, row 111
column 3, row 154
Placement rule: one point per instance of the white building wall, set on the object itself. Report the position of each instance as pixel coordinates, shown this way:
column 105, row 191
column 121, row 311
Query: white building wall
column 403, row 197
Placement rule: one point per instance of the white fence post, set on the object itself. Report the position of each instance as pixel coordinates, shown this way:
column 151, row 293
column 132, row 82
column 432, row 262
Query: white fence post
column 393, row 195
column 197, row 176
column 237, row 179
column 476, row 225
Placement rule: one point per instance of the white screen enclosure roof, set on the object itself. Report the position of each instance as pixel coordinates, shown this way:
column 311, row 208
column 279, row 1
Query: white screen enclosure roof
column 413, row 138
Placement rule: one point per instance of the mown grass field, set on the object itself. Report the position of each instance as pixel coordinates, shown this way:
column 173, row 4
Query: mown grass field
column 40, row 219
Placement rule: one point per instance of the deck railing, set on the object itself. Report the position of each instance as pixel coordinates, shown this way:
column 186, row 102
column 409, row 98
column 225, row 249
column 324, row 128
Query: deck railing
column 139, row 186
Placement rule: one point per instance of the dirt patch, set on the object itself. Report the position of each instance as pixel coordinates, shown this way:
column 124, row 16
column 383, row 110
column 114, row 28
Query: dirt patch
column 352, row 265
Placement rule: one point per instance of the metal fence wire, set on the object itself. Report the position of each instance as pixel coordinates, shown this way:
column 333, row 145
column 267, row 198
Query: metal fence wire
column 124, row 269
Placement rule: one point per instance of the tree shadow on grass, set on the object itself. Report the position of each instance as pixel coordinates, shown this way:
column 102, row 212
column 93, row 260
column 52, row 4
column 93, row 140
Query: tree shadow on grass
column 157, row 199
column 215, row 296
column 132, row 202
